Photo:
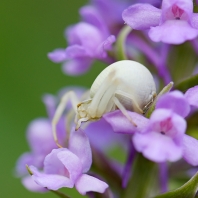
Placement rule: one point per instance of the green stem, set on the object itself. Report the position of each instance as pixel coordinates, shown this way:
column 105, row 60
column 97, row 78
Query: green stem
column 120, row 44
column 141, row 181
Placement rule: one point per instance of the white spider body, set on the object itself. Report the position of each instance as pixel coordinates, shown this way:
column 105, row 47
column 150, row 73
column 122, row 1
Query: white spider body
column 128, row 81
column 124, row 85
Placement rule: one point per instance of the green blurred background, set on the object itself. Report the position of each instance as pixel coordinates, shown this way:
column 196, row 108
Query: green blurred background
column 29, row 29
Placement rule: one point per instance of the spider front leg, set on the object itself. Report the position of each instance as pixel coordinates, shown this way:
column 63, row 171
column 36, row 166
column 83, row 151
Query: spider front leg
column 60, row 109
column 123, row 110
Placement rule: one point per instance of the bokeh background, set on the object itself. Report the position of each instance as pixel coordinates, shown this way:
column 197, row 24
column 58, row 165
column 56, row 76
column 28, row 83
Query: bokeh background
column 29, row 29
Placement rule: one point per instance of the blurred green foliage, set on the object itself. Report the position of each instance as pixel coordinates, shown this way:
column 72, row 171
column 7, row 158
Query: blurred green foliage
column 29, row 30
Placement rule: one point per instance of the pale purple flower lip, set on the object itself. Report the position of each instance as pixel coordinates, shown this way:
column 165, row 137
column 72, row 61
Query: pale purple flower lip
column 121, row 124
column 162, row 139
column 66, row 167
column 174, row 23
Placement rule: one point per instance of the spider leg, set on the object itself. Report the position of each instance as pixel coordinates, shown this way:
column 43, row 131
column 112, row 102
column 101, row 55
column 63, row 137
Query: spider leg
column 60, row 109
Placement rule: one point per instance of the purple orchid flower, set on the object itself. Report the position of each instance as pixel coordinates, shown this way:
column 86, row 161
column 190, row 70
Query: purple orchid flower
column 67, row 167
column 174, row 23
column 88, row 40
column 111, row 10
column 175, row 101
column 192, row 96
column 178, row 102
column 162, row 137
column 40, row 139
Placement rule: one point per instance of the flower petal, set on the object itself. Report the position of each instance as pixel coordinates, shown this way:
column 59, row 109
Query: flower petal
column 38, row 133
column 121, row 124
column 71, row 162
column 142, row 16
column 86, row 35
column 25, row 158
column 31, row 185
column 190, row 150
column 79, row 145
column 76, row 51
column 63, row 162
column 165, row 120
column 76, row 66
column 52, row 165
column 173, row 32
column 157, row 147
column 185, row 5
column 163, row 137
column 105, row 45
column 174, row 101
column 102, row 136
column 194, row 20
column 87, row 183
column 50, row 102
column 91, row 15
column 51, row 181
column 192, row 96
column 111, row 10
column 57, row 55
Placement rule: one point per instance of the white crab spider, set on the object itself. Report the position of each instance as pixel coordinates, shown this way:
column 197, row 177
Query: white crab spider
column 124, row 85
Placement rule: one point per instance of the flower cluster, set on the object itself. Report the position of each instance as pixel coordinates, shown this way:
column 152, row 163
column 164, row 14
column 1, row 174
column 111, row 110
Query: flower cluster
column 143, row 115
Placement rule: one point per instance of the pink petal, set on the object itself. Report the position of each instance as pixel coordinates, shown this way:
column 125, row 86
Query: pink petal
column 91, row 15
column 102, row 136
column 105, row 45
column 25, row 158
column 194, row 20
column 50, row 102
column 157, row 147
column 173, row 32
column 142, row 16
column 87, row 183
column 57, row 55
column 79, row 145
column 31, row 185
column 86, row 35
column 190, row 150
column 52, row 182
column 76, row 51
column 39, row 132
column 64, row 163
column 185, row 5
column 72, row 164
column 192, row 96
column 165, row 119
column 121, row 124
column 175, row 101
column 77, row 66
